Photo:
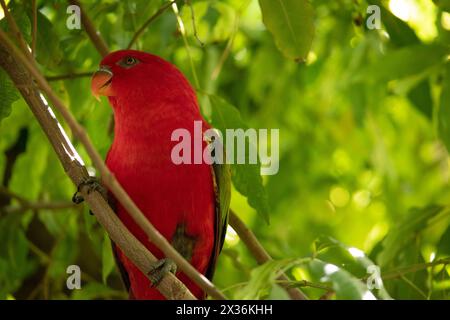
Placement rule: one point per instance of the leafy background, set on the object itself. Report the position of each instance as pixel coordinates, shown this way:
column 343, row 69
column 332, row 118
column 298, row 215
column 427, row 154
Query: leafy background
column 364, row 119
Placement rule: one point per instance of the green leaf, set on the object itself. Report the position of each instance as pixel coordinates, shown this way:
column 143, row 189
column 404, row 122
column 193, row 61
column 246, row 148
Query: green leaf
column 64, row 253
column 443, row 4
column 8, row 94
column 443, row 248
column 107, row 258
column 346, row 286
column 15, row 261
column 420, row 96
column 291, row 23
column 48, row 51
column 444, row 109
column 354, row 260
column 403, row 234
column 404, row 62
column 263, row 278
column 400, row 33
column 246, row 177
column 214, row 20
column 18, row 12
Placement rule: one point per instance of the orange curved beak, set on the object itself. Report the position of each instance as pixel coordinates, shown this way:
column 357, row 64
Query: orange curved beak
column 101, row 82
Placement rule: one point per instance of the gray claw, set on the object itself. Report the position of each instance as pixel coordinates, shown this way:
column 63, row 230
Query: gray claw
column 92, row 184
column 160, row 269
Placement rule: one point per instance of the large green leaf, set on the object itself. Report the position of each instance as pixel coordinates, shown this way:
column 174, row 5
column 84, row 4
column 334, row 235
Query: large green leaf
column 8, row 94
column 403, row 235
column 262, row 279
column 291, row 23
column 214, row 20
column 420, row 96
column 352, row 259
column 15, row 262
column 48, row 52
column 400, row 32
column 443, row 4
column 404, row 62
column 246, row 177
column 346, row 286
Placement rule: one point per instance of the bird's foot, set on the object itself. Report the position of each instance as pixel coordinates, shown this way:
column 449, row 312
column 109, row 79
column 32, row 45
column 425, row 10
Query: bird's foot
column 91, row 184
column 160, row 269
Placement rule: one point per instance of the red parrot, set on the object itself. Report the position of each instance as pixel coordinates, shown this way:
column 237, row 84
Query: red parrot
column 188, row 204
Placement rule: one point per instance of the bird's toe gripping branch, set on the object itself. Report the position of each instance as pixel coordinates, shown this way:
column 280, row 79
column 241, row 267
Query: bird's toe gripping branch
column 92, row 184
column 160, row 269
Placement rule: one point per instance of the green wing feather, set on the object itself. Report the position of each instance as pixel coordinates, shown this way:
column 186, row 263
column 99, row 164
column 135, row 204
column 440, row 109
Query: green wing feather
column 222, row 187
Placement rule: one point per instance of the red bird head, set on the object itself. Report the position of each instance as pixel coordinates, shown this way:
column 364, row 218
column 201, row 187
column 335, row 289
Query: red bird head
column 135, row 80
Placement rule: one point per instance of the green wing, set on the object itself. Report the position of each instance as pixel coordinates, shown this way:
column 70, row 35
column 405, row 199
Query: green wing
column 222, row 188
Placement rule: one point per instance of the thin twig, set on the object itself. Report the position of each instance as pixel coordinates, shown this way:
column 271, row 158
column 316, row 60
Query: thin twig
column 5, row 191
column 14, row 28
column 194, row 26
column 141, row 30
column 259, row 253
column 394, row 274
column 93, row 34
column 186, row 44
column 303, row 283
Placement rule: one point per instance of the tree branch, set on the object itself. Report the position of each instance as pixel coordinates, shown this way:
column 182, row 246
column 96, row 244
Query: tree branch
column 14, row 28
column 260, row 254
column 141, row 30
column 93, row 34
column 170, row 286
column 107, row 178
column 400, row 272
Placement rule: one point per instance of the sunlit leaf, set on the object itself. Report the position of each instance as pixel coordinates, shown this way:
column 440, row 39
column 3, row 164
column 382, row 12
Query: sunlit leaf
column 246, row 177
column 291, row 22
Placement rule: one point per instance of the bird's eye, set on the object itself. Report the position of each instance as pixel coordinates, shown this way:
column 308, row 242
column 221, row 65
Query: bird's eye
column 128, row 62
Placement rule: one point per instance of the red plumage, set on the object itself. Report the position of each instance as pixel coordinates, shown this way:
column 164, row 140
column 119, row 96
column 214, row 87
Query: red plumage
column 150, row 99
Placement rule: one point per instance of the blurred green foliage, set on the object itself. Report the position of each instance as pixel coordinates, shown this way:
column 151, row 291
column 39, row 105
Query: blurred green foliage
column 364, row 137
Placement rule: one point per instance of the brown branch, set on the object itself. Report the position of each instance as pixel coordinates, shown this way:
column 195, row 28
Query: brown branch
column 93, row 34
column 14, row 28
column 138, row 33
column 69, row 76
column 108, row 179
column 10, row 194
column 259, row 253
column 304, row 283
column 194, row 26
column 400, row 272
column 170, row 286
